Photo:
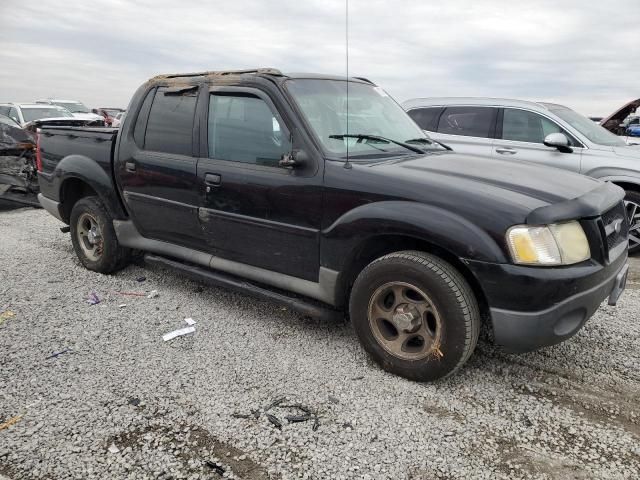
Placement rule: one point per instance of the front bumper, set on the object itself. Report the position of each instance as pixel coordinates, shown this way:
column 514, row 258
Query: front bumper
column 536, row 307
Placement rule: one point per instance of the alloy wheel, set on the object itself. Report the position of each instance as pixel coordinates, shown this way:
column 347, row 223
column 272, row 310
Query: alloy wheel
column 404, row 321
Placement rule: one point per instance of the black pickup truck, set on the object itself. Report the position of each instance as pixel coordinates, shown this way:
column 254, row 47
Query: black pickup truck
column 322, row 193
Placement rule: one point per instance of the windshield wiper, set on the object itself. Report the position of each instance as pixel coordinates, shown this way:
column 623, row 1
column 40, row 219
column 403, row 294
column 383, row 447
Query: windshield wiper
column 362, row 136
column 429, row 141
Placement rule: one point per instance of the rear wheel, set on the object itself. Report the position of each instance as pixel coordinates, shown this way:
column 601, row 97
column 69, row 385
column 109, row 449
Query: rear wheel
column 94, row 239
column 415, row 315
column 632, row 204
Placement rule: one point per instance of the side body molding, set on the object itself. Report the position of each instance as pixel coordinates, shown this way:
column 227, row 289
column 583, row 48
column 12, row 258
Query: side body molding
column 324, row 290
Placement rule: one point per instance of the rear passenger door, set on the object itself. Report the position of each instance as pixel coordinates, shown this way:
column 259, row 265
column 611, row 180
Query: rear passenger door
column 253, row 211
column 467, row 129
column 157, row 167
column 520, row 137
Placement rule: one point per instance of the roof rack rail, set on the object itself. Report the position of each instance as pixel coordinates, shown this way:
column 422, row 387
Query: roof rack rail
column 364, row 80
column 266, row 71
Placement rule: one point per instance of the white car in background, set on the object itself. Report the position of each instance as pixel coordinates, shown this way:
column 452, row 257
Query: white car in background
column 24, row 113
column 77, row 109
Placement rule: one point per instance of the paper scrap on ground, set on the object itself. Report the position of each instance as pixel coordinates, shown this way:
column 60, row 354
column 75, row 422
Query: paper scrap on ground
column 93, row 299
column 190, row 321
column 153, row 294
column 178, row 333
column 122, row 305
column 113, row 448
column 8, row 314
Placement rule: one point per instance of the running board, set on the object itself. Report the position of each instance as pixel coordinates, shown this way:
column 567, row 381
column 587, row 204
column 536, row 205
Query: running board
column 220, row 279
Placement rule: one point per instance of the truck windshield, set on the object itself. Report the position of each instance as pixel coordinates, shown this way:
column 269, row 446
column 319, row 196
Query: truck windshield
column 377, row 124
column 588, row 128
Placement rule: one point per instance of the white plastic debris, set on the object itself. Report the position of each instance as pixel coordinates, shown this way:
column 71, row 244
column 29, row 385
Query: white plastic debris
column 113, row 448
column 178, row 333
column 153, row 294
column 189, row 321
column 122, row 305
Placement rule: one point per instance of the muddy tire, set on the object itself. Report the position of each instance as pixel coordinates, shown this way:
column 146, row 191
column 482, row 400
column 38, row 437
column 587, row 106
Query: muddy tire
column 415, row 315
column 94, row 239
column 632, row 203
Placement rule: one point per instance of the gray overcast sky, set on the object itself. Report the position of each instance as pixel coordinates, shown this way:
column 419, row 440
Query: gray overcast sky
column 581, row 53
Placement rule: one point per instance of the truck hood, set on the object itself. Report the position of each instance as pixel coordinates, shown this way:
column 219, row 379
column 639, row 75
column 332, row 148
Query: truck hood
column 540, row 184
column 88, row 116
column 495, row 191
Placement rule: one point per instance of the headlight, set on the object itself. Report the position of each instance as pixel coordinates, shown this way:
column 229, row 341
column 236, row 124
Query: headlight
column 555, row 244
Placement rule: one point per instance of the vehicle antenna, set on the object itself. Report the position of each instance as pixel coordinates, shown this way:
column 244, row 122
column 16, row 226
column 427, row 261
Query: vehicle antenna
column 346, row 35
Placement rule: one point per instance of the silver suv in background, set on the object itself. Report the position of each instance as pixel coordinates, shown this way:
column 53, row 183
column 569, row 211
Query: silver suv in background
column 544, row 133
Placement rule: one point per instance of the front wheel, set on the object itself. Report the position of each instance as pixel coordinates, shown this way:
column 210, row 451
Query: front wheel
column 94, row 238
column 632, row 204
column 415, row 315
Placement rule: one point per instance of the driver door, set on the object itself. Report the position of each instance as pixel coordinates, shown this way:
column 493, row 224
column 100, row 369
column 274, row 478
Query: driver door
column 254, row 211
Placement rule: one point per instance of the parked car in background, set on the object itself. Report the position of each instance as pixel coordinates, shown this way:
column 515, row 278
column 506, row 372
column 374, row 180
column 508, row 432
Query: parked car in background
column 543, row 133
column 109, row 114
column 23, row 113
column 77, row 109
column 618, row 121
column 260, row 181
column 117, row 121
column 18, row 173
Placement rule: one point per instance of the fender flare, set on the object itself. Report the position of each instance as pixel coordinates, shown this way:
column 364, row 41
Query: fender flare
column 87, row 170
column 444, row 229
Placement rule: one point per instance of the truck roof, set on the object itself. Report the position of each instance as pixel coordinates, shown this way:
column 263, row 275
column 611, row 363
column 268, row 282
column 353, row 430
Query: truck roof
column 262, row 72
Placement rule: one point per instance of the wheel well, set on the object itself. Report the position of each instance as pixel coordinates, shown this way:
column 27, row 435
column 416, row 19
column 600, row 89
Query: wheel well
column 71, row 191
column 379, row 246
column 628, row 186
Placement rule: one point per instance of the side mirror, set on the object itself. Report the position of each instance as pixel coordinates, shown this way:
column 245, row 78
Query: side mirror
column 294, row 159
column 559, row 141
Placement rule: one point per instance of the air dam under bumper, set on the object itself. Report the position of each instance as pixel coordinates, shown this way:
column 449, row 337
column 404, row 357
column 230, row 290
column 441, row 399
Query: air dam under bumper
column 525, row 329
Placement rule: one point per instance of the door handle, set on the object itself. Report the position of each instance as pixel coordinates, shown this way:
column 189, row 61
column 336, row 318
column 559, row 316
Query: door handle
column 130, row 166
column 506, row 151
column 212, row 179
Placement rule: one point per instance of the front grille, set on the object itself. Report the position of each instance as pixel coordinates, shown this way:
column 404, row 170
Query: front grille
column 616, row 226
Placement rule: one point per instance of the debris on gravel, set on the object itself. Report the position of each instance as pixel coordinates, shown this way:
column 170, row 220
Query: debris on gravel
column 199, row 407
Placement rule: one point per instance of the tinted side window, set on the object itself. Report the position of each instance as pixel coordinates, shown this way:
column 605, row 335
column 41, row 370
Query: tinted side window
column 524, row 126
column 13, row 113
column 425, row 117
column 4, row 111
column 242, row 128
column 468, row 121
column 170, row 125
column 141, row 120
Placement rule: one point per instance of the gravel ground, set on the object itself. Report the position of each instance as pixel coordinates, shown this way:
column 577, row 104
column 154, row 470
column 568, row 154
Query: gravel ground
column 121, row 403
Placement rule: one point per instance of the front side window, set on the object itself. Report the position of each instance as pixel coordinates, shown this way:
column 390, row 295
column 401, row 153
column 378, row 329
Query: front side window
column 242, row 128
column 170, row 124
column 371, row 112
column 524, row 126
column 468, row 121
column 426, row 118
